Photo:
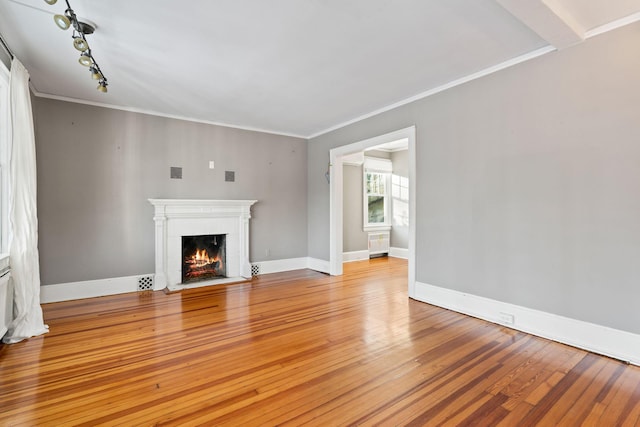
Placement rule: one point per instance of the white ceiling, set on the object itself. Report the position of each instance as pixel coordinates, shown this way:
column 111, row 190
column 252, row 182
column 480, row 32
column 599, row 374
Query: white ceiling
column 295, row 67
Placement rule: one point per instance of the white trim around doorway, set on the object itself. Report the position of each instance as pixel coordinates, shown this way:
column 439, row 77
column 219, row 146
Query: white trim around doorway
column 336, row 193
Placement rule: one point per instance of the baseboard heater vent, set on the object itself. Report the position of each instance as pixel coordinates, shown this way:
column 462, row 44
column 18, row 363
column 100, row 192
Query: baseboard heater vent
column 145, row 283
column 255, row 270
column 378, row 243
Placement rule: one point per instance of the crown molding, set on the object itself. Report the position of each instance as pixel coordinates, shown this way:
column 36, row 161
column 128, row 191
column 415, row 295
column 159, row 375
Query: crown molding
column 158, row 114
column 490, row 70
column 635, row 17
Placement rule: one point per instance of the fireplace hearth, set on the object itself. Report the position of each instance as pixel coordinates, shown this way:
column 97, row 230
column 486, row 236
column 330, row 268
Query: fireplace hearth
column 203, row 257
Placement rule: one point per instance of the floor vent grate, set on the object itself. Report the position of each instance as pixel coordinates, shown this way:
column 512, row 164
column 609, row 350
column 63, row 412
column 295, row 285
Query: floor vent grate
column 255, row 270
column 145, row 283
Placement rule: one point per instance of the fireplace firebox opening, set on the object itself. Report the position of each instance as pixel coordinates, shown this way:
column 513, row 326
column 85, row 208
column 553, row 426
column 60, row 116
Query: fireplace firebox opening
column 203, row 257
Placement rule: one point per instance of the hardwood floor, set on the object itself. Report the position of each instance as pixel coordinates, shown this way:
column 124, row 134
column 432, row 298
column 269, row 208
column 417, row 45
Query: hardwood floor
column 301, row 348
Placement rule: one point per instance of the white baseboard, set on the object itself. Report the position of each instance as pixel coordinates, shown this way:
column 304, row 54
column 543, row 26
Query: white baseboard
column 364, row 255
column 599, row 339
column 355, row 256
column 121, row 285
column 399, row 253
column 276, row 266
column 89, row 288
column 318, row 265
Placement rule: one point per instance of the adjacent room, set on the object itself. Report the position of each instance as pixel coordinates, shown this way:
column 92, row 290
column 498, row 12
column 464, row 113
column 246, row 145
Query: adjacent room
column 363, row 212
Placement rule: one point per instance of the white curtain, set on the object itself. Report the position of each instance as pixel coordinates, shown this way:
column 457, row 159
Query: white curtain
column 23, row 220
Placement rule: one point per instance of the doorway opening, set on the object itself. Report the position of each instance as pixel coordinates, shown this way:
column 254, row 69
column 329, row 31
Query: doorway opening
column 336, row 189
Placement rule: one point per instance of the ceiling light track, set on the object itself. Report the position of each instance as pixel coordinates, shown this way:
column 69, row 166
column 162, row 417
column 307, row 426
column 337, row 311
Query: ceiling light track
column 80, row 31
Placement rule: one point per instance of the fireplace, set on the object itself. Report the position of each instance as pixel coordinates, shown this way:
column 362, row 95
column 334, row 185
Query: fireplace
column 204, row 257
column 177, row 218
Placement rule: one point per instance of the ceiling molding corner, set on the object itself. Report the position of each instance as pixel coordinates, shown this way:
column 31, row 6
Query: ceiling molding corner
column 547, row 18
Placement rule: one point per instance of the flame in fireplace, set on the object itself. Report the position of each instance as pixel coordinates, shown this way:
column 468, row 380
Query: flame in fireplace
column 201, row 259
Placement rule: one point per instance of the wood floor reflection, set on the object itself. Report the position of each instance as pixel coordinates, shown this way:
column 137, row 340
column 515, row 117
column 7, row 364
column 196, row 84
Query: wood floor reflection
column 301, row 348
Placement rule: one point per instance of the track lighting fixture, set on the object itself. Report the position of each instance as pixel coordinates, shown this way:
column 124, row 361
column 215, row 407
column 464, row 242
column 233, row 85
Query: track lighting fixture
column 80, row 30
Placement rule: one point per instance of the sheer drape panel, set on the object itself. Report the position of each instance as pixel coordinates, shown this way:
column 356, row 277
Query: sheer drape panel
column 23, row 220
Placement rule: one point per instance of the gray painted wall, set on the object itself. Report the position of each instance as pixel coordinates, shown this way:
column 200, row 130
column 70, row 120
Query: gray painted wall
column 399, row 204
column 527, row 182
column 353, row 237
column 97, row 167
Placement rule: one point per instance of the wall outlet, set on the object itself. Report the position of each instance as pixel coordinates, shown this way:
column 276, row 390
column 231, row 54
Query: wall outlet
column 506, row 318
column 267, row 252
column 211, row 164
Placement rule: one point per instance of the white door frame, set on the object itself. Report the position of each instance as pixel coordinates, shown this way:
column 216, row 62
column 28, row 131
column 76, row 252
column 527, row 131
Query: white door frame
column 336, row 201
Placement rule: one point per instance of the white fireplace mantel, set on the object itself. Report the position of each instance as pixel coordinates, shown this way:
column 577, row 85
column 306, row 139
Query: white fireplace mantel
column 175, row 218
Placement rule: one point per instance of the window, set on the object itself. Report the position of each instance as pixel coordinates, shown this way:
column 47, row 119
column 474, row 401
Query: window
column 400, row 187
column 376, row 192
column 376, row 178
column 400, row 200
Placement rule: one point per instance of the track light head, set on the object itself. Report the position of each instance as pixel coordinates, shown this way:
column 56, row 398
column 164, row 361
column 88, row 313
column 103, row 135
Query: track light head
column 50, row 1
column 80, row 43
column 102, row 86
column 95, row 74
column 62, row 21
column 86, row 59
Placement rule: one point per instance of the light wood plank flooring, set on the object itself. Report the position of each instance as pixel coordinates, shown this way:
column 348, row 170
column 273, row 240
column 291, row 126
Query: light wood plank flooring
column 302, row 348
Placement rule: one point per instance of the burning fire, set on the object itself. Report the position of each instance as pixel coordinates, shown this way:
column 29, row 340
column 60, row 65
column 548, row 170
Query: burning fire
column 201, row 259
